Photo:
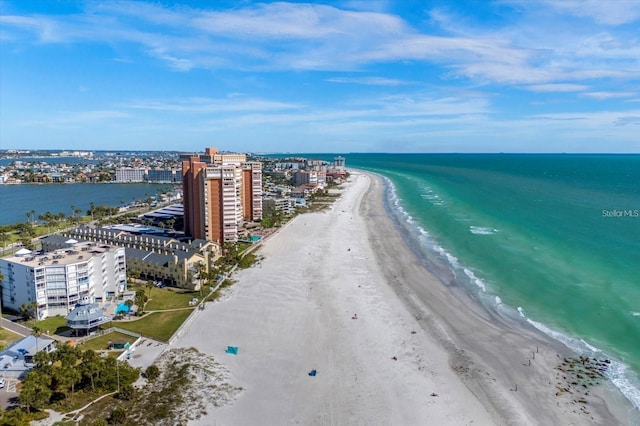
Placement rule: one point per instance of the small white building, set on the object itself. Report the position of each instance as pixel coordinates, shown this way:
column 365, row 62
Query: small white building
column 17, row 359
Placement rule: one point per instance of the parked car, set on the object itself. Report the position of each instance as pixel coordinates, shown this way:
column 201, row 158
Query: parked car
column 1, row 382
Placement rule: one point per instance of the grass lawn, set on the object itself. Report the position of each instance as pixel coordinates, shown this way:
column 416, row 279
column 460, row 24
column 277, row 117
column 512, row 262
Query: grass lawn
column 7, row 337
column 157, row 325
column 102, row 342
column 164, row 298
column 53, row 325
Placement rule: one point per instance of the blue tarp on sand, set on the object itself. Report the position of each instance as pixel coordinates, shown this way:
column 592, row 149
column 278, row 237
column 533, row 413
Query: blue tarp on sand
column 232, row 350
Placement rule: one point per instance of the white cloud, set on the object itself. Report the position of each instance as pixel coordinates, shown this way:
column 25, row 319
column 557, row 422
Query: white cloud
column 284, row 36
column 233, row 103
column 371, row 81
column 608, row 95
column 556, row 87
column 613, row 12
column 626, row 120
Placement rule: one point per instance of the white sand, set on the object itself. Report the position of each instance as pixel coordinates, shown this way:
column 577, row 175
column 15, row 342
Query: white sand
column 293, row 313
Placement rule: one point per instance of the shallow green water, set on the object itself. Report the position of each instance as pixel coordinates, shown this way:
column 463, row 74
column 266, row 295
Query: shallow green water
column 553, row 238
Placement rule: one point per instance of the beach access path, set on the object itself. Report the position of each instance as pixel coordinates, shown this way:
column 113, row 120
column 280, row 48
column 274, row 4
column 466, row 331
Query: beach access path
column 339, row 292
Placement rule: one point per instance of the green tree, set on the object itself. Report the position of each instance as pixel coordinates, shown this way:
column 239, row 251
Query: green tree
column 152, row 372
column 66, row 374
column 36, row 391
column 149, row 286
column 90, row 367
column 72, row 218
column 4, row 236
column 15, row 417
column 118, row 416
column 127, row 392
column 42, row 360
column 36, row 332
column 60, row 217
column 28, row 310
column 30, row 216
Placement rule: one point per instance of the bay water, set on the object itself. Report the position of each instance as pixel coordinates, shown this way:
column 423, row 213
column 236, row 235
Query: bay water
column 17, row 200
column 550, row 239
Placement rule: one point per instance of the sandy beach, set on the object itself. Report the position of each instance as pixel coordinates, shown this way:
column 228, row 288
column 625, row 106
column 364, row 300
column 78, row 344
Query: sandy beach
column 341, row 293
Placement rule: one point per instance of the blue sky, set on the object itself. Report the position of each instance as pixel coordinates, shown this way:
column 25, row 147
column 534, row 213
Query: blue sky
column 331, row 76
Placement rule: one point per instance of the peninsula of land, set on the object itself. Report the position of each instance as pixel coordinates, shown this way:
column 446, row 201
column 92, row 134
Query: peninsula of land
column 340, row 323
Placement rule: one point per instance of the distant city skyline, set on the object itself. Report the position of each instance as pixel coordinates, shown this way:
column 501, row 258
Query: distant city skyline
column 321, row 77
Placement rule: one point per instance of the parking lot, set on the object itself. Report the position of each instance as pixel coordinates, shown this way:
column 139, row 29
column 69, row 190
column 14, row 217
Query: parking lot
column 8, row 392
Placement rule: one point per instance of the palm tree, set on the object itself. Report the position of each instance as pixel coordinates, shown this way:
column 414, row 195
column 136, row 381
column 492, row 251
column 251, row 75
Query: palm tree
column 30, row 216
column 201, row 269
column 49, row 219
column 36, row 332
column 4, row 236
column 149, row 286
column 26, row 311
column 90, row 366
column 74, row 214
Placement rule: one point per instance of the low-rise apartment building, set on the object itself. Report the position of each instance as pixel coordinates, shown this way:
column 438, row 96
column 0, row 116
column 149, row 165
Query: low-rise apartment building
column 316, row 178
column 286, row 206
column 155, row 257
column 130, row 174
column 63, row 273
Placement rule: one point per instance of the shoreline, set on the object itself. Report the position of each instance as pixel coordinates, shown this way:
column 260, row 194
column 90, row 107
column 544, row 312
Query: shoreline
column 341, row 292
column 472, row 338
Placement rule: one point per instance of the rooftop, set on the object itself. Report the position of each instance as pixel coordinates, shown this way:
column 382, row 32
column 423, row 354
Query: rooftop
column 75, row 253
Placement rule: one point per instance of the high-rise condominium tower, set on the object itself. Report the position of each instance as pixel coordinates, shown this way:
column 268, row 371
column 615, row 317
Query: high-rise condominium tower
column 220, row 191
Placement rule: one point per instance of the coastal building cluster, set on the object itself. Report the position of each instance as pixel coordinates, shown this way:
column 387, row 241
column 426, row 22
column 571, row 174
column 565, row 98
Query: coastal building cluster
column 23, row 166
column 153, row 257
column 224, row 196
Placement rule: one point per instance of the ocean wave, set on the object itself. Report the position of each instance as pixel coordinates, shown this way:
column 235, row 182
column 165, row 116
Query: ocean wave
column 427, row 193
column 620, row 375
column 477, row 281
column 482, row 230
column 635, row 314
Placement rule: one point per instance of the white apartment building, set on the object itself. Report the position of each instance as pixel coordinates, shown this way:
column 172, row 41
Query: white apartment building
column 252, row 191
column 310, row 177
column 56, row 280
column 130, row 174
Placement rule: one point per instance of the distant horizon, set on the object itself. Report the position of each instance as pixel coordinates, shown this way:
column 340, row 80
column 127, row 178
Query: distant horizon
column 323, row 153
column 443, row 76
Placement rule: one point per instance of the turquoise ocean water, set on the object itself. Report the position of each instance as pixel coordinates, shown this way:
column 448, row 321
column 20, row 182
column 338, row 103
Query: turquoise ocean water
column 551, row 239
